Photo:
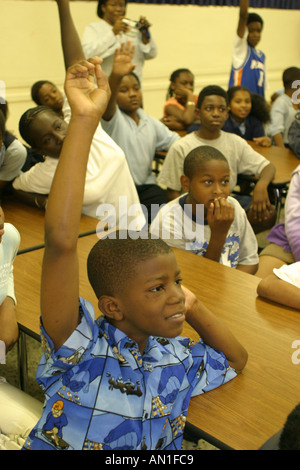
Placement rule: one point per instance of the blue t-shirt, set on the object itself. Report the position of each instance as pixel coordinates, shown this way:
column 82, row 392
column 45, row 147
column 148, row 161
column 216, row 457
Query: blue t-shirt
column 101, row 393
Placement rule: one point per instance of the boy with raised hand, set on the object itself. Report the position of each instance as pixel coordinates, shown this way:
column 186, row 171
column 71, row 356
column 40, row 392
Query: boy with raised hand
column 248, row 63
column 109, row 384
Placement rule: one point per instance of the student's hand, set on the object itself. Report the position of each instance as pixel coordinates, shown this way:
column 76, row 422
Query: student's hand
column 263, row 141
column 261, row 206
column 119, row 26
column 85, row 98
column 190, row 298
column 184, row 92
column 122, row 59
column 220, row 215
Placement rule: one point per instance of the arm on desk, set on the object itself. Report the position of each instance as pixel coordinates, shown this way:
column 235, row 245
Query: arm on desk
column 277, row 290
column 261, row 206
column 213, row 332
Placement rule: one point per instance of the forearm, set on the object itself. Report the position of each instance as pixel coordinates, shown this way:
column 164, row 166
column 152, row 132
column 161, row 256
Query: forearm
column 114, row 83
column 9, row 331
column 267, row 175
column 215, row 246
column 71, row 45
column 216, row 334
column 277, row 290
column 247, row 268
column 278, row 140
column 243, row 16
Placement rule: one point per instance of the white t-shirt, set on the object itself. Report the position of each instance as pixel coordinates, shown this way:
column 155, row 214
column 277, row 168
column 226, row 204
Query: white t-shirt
column 180, row 229
column 109, row 188
column 99, row 39
column 8, row 250
column 239, row 154
column 289, row 273
column 12, row 160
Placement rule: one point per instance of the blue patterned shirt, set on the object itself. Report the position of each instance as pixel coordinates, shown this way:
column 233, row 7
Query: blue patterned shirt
column 101, row 393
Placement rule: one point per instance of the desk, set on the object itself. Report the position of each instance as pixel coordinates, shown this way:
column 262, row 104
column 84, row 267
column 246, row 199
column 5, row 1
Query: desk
column 245, row 412
column 30, row 223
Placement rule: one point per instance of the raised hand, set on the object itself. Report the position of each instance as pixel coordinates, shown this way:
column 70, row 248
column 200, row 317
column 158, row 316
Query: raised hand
column 86, row 98
column 123, row 59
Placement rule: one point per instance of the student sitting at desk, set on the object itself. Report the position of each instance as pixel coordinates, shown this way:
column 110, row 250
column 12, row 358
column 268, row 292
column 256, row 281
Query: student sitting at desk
column 284, row 246
column 138, row 134
column 108, row 178
column 19, row 412
column 179, row 109
column 240, row 120
column 223, row 233
column 122, row 381
column 242, row 159
column 284, row 108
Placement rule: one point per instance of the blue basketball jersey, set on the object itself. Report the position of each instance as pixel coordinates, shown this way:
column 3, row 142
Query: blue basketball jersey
column 252, row 73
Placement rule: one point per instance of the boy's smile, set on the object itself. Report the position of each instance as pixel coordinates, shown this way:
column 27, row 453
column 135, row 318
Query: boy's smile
column 153, row 303
column 240, row 105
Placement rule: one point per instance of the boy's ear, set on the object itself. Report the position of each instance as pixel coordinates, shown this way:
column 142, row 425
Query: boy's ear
column 109, row 306
column 185, row 183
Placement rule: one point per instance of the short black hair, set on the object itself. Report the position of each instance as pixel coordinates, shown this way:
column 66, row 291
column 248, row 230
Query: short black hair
column 254, row 17
column 290, row 436
column 28, row 118
column 36, row 88
column 211, row 90
column 289, row 76
column 99, row 7
column 113, row 260
column 199, row 155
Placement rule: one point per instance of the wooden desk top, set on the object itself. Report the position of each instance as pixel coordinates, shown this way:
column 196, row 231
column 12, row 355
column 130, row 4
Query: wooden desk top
column 30, row 222
column 284, row 160
column 245, row 412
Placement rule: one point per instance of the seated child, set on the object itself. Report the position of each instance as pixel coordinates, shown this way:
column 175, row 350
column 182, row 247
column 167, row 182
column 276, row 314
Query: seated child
column 242, row 159
column 284, row 108
column 179, row 109
column 240, row 120
column 282, row 285
column 45, row 93
column 109, row 190
column 122, row 381
column 12, row 156
column 223, row 232
column 138, row 134
column 284, row 246
column 294, row 135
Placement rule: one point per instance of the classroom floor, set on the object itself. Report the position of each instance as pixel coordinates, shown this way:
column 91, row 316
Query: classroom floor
column 10, row 372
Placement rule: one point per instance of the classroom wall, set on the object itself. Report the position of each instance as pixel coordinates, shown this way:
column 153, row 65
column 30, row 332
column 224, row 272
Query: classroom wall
column 199, row 38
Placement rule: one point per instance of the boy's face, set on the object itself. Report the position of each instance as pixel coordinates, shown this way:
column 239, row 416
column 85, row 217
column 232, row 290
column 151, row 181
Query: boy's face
column 129, row 95
column 213, row 113
column 50, row 96
column 254, row 33
column 1, row 224
column 153, row 302
column 48, row 132
column 212, row 181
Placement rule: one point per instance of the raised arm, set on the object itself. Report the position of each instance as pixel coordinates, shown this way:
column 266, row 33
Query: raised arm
column 71, row 45
column 60, row 276
column 243, row 16
column 122, row 66
column 213, row 332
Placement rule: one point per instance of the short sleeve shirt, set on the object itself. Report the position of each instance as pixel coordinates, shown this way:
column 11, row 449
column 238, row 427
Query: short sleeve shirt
column 102, row 394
